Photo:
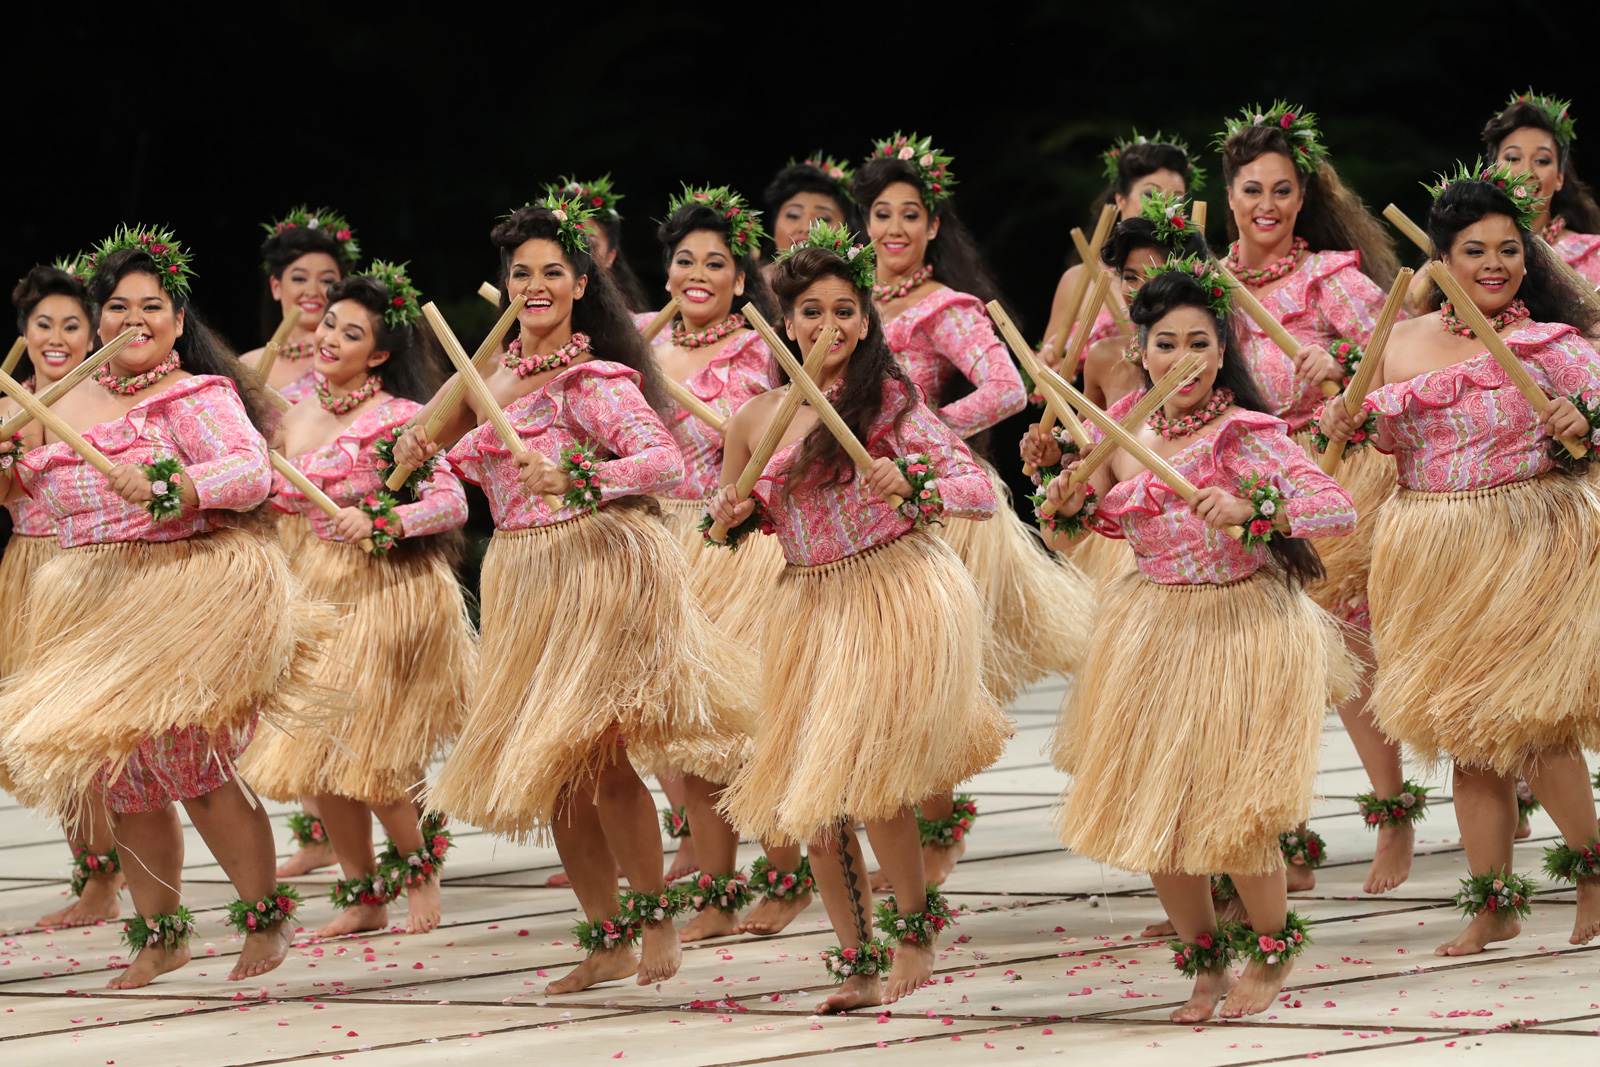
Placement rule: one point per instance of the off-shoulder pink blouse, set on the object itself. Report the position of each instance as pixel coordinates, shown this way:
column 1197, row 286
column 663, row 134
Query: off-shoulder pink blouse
column 740, row 370
column 947, row 333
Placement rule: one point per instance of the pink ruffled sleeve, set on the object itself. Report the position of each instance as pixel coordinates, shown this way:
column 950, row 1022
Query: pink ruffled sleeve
column 441, row 506
column 1317, row 505
column 1350, row 302
column 224, row 456
column 615, row 413
column 965, row 337
column 963, row 485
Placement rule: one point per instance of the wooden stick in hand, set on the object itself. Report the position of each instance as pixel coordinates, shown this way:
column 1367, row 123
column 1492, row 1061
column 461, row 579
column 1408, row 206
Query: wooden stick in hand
column 1361, row 381
column 56, row 424
column 309, row 489
column 1069, row 363
column 1275, row 331
column 13, row 357
column 1403, row 223
column 70, row 382
column 692, row 404
column 491, row 293
column 269, row 354
column 656, row 325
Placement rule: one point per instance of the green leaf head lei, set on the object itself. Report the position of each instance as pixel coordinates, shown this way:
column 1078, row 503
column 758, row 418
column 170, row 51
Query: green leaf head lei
column 161, row 245
column 1298, row 126
column 861, row 259
column 404, row 299
column 1111, row 158
column 1201, row 270
column 80, row 265
column 835, row 170
column 575, row 221
column 1523, row 189
column 1558, row 112
column 741, row 222
column 932, row 166
column 599, row 195
column 325, row 219
column 1169, row 214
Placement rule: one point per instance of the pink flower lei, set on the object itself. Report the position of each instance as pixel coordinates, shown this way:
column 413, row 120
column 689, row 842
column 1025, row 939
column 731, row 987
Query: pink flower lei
column 526, row 365
column 1259, row 276
column 1515, row 312
column 1184, row 425
column 341, row 404
column 1552, row 233
column 710, row 335
column 133, row 383
column 883, row 294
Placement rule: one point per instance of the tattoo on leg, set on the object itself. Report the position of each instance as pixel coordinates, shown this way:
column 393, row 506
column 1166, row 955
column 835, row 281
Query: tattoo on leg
column 852, row 884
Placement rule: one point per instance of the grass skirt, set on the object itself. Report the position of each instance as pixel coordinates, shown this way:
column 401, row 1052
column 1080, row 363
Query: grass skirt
column 1040, row 606
column 590, row 641
column 405, row 657
column 293, row 529
column 872, row 695
column 23, row 556
column 1102, row 559
column 1484, row 621
column 1194, row 730
column 132, row 640
column 1369, row 477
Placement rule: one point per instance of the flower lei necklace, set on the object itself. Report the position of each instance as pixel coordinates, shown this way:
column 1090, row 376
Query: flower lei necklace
column 293, row 350
column 339, row 405
column 1259, row 276
column 885, row 293
column 526, row 365
column 1553, row 232
column 1516, row 311
column 1184, row 425
column 710, row 335
column 132, row 384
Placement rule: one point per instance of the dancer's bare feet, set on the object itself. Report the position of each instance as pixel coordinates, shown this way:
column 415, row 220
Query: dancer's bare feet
column 939, row 861
column 308, row 858
column 1586, row 926
column 1164, row 928
column 356, row 919
column 604, row 965
column 559, row 880
column 880, row 883
column 684, row 862
column 660, row 953
column 771, row 915
column 1231, row 911
column 858, row 991
column 1209, row 989
column 1485, row 927
column 1300, row 878
column 151, row 963
column 913, row 968
column 710, row 922
column 1524, row 828
column 424, row 906
column 1256, row 989
column 98, row 903
column 263, row 950
column 1391, row 863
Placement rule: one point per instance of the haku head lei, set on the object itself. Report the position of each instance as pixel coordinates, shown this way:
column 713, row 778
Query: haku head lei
column 404, row 303
column 833, row 169
column 740, row 221
column 1201, row 270
column 574, row 222
column 172, row 262
column 933, row 167
column 1557, row 111
column 1523, row 189
column 1169, row 214
column 1195, row 179
column 862, row 260
column 325, row 219
column 80, row 265
column 1300, row 127
column 598, row 195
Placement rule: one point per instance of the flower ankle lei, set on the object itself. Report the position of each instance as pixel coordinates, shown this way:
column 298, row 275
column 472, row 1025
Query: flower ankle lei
column 710, row 335
column 1360, row 438
column 924, row 502
column 1410, row 806
column 1270, row 949
column 1194, row 421
column 414, row 868
column 915, row 927
column 169, row 931
column 774, row 884
column 1305, row 848
column 1569, row 864
column 338, row 405
column 248, row 917
column 945, row 832
column 883, row 294
column 379, row 507
column 87, row 864
column 756, row 520
column 1278, row 268
column 579, row 464
column 1516, row 311
column 1266, row 500
column 1495, row 892
column 306, row 829
column 1208, row 952
column 1223, row 891
column 372, row 890
column 166, row 487
column 872, row 957
column 728, row 893
column 636, row 909
column 675, row 821
column 135, row 382
column 383, row 448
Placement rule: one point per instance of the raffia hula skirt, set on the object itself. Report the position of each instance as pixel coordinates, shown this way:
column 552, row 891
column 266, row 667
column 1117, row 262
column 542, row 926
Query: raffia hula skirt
column 23, row 556
column 591, row 641
column 1369, row 477
column 1193, row 733
column 404, row 658
column 1039, row 605
column 149, row 662
column 872, row 694
column 1485, row 624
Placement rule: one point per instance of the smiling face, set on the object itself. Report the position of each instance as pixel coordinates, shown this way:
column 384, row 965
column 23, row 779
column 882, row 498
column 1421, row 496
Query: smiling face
column 1487, row 259
column 797, row 214
column 1530, row 150
column 304, row 284
column 1160, row 181
column 346, row 343
column 1172, row 337
column 829, row 301
column 900, row 228
column 138, row 301
column 1265, row 198
column 58, row 337
column 704, row 275
column 540, row 271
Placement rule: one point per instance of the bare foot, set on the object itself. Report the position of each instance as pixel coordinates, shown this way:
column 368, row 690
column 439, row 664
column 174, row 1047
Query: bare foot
column 1586, row 926
column 1391, row 863
column 939, row 861
column 1209, row 989
column 97, row 904
column 1301, row 878
column 710, row 922
column 771, row 916
column 263, row 951
column 660, row 953
column 604, row 965
column 685, row 862
column 858, row 991
column 423, row 906
column 1233, row 911
column 151, row 963
column 913, row 968
column 307, row 859
column 1524, row 828
column 880, row 882
column 559, row 880
column 1164, row 928
column 355, row 920
column 1258, row 986
column 1486, row 926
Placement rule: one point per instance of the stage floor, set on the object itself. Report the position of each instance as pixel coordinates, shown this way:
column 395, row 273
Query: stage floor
column 1048, row 961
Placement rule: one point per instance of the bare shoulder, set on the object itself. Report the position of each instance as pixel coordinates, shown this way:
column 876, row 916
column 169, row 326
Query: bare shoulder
column 252, row 358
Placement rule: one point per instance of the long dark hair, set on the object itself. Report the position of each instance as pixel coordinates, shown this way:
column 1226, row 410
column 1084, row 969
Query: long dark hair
column 621, row 271
column 1130, row 235
column 1332, row 217
column 412, row 370
column 1545, row 289
column 1137, row 162
column 1574, row 201
column 283, row 248
column 33, row 287
column 953, row 255
column 691, row 217
column 821, row 459
column 200, row 349
column 1167, row 292
column 799, row 178
column 600, row 312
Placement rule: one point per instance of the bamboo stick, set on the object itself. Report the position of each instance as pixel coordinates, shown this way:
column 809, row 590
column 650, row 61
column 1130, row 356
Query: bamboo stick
column 1080, row 286
column 309, row 489
column 491, row 293
column 269, row 354
column 1275, row 331
column 1586, row 290
column 1402, row 222
column 813, row 396
column 1469, row 313
column 1069, row 361
column 70, row 381
column 1102, row 230
column 659, row 323
column 13, row 357
column 446, row 408
column 1089, row 252
column 1197, row 216
column 275, row 398
column 480, row 392
column 56, row 425
column 693, row 404
column 1361, row 381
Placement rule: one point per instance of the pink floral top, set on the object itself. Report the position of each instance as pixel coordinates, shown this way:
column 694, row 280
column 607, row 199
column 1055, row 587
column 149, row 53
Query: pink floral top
column 199, row 421
column 1326, row 298
column 822, row 524
column 30, row 519
column 1467, row 426
column 742, row 369
column 595, row 404
column 302, row 388
column 1581, row 251
column 948, row 333
column 1173, row 547
column 347, row 470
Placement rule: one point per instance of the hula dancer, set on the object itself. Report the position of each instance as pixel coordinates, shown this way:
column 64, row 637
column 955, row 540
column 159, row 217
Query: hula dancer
column 814, row 191
column 305, row 252
column 1533, row 136
column 605, row 237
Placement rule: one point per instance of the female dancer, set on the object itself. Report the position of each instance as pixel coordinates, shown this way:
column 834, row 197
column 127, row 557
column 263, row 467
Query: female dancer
column 305, row 252
column 1490, row 536
column 1534, row 135
column 1208, row 656
column 860, row 720
column 605, row 235
column 591, row 643
column 54, row 318
column 815, row 190
column 1319, row 262
column 930, row 293
column 405, row 656
column 184, row 606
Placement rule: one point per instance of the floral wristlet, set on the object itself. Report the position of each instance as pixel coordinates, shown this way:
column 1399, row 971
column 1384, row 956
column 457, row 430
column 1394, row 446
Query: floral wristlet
column 383, row 448
column 580, row 464
column 924, row 502
column 1588, row 404
column 379, row 507
column 1363, row 435
column 1071, row 526
column 1349, row 354
column 166, row 487
column 756, row 520
column 1266, row 500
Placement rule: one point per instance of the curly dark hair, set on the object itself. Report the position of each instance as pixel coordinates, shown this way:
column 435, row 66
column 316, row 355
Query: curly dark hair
column 33, row 287
column 283, row 248
column 696, row 216
column 622, row 275
column 953, row 255
column 1574, row 201
column 413, row 368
